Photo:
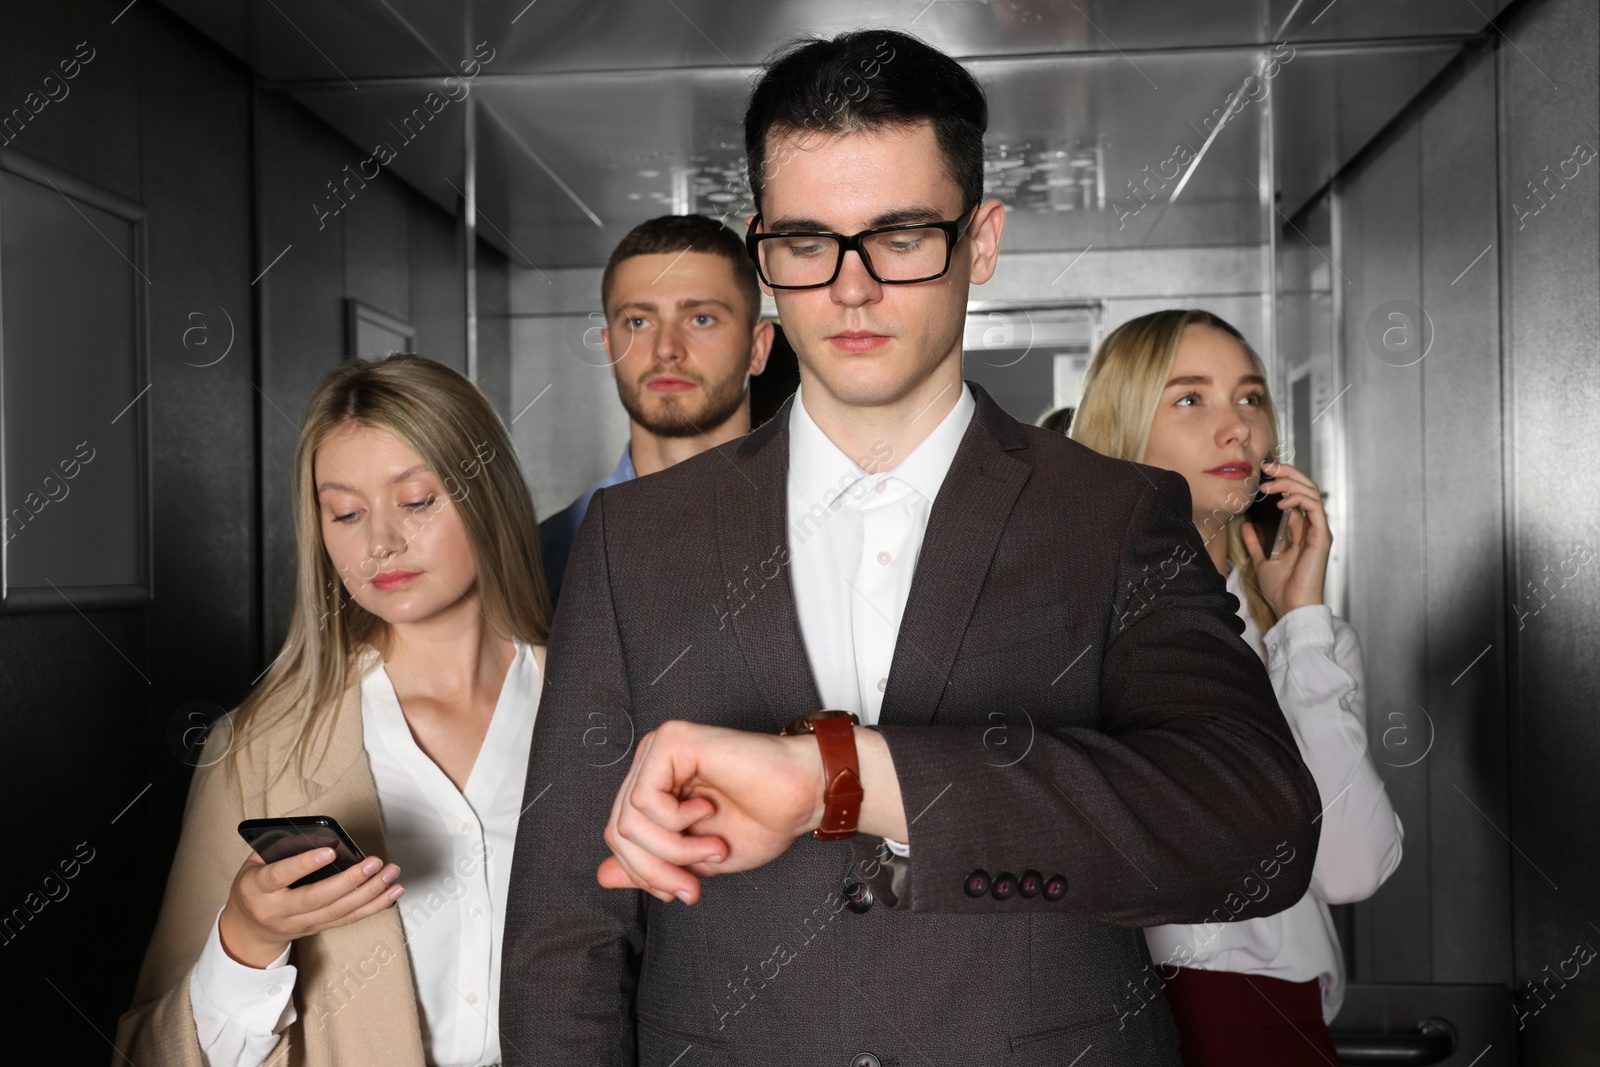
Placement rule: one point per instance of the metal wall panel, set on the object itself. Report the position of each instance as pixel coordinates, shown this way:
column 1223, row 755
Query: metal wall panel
column 1551, row 299
column 1382, row 413
column 1425, row 540
column 1470, row 862
column 494, row 329
column 162, row 116
column 377, row 250
column 569, row 427
column 74, row 287
column 205, row 622
column 102, row 96
column 1307, row 347
column 554, row 343
column 1129, row 273
column 301, row 306
column 1475, row 496
column 1326, row 106
column 438, row 302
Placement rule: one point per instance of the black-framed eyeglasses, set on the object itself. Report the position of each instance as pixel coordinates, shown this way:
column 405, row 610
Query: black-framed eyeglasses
column 894, row 255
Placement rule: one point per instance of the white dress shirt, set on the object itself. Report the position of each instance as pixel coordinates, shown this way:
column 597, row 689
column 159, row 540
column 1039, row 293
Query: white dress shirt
column 454, row 850
column 855, row 532
column 1314, row 661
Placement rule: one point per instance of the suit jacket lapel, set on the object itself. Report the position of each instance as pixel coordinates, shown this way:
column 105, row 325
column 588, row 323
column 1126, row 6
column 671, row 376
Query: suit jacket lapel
column 964, row 528
column 753, row 542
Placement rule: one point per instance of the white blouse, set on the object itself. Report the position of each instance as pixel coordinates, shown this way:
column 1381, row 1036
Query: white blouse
column 454, row 850
column 1314, row 661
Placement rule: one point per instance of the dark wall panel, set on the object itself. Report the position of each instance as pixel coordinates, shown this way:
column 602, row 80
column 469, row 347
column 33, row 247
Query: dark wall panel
column 73, row 707
column 1469, row 861
column 1476, row 517
column 1551, row 294
column 94, row 128
column 202, row 356
column 250, row 268
column 195, row 164
column 162, row 117
column 377, row 261
column 494, row 329
column 1381, row 213
column 1419, row 230
column 438, row 301
column 301, row 304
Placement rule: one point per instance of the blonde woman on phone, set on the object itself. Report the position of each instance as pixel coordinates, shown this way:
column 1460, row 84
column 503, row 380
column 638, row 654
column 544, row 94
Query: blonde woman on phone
column 1183, row 390
column 402, row 705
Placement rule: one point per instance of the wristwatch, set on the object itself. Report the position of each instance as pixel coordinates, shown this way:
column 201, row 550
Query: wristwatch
column 841, row 770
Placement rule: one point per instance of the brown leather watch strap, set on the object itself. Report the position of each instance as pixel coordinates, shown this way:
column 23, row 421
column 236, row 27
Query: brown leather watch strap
column 841, row 773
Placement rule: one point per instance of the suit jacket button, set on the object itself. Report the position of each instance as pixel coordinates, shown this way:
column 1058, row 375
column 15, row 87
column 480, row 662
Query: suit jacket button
column 977, row 883
column 866, row 1059
column 1004, row 886
column 858, row 898
column 1056, row 887
column 1031, row 884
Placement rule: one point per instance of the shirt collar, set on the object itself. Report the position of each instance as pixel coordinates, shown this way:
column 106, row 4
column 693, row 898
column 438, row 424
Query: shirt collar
column 624, row 471
column 925, row 468
column 821, row 470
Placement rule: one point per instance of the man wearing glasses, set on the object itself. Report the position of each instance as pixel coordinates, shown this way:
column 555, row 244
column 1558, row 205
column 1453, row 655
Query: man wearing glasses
column 878, row 692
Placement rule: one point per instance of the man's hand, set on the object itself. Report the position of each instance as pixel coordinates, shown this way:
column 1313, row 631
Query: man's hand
column 705, row 800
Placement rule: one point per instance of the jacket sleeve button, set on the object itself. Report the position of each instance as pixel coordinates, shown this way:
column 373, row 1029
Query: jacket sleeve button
column 977, row 883
column 1056, row 887
column 1004, row 886
column 858, row 898
column 1031, row 884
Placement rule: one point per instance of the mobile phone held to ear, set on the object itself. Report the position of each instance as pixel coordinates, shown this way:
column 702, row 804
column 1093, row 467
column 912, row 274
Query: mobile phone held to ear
column 278, row 839
column 1265, row 515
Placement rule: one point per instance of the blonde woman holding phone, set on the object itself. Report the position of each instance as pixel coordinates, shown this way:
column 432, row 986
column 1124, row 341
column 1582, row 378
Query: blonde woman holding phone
column 401, row 706
column 1184, row 391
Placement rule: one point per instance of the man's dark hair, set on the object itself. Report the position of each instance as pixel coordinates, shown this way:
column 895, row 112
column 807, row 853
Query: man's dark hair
column 868, row 80
column 687, row 233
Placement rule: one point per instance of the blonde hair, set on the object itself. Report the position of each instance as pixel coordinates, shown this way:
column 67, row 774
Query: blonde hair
column 1120, row 396
column 452, row 426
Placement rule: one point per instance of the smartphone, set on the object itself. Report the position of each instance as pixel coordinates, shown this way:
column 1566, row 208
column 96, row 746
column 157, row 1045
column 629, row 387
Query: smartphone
column 1265, row 515
column 278, row 839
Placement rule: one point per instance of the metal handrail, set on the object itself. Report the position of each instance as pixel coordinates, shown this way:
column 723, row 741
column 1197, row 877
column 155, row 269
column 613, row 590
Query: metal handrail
column 1433, row 1041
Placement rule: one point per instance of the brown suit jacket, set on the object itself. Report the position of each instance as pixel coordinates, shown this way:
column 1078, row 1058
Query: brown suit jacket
column 1069, row 696
column 354, row 991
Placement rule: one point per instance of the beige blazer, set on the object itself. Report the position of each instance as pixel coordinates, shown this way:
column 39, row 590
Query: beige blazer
column 354, row 991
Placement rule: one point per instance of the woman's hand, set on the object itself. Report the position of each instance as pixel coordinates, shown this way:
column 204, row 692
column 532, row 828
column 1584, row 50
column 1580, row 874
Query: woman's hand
column 263, row 914
column 1294, row 577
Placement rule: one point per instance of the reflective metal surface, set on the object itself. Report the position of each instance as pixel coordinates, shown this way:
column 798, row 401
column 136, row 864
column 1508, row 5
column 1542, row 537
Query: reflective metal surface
column 596, row 116
column 291, row 40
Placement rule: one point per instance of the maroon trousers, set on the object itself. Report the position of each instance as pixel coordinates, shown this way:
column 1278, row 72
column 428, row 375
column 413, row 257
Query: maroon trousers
column 1227, row 1019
